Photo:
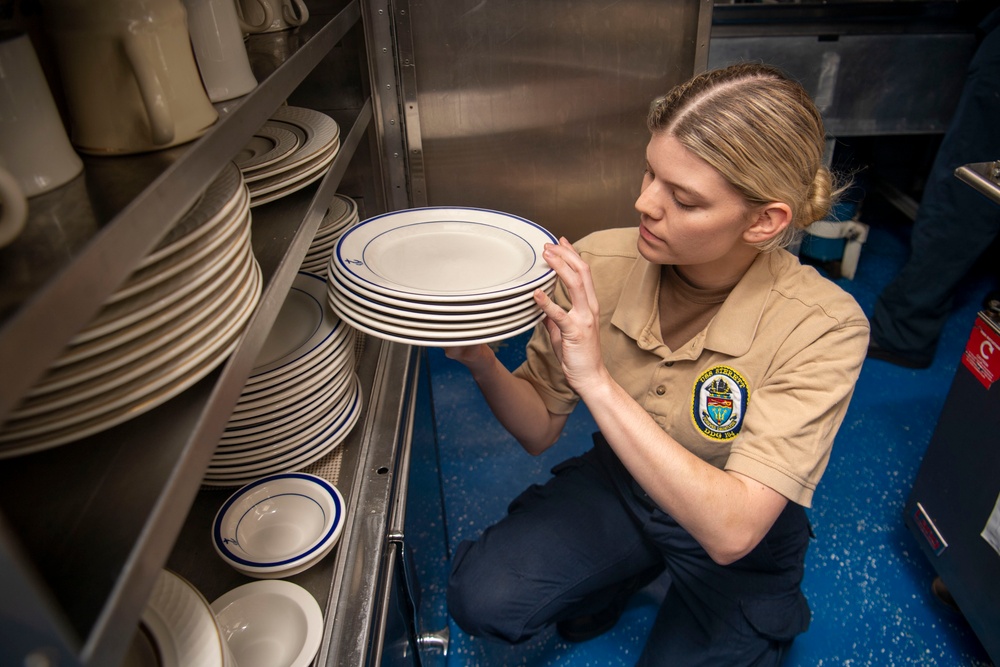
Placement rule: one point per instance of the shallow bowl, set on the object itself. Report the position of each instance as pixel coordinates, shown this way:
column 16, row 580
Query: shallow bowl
column 270, row 624
column 279, row 525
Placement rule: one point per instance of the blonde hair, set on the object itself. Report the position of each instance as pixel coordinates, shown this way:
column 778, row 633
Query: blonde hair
column 761, row 131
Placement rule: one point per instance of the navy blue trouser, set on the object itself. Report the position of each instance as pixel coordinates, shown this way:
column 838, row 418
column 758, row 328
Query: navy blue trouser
column 564, row 545
column 954, row 223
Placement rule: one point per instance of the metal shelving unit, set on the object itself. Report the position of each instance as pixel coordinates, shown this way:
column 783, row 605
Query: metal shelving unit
column 85, row 528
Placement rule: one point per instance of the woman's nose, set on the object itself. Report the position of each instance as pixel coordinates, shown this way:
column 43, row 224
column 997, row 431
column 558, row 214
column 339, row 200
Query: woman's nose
column 648, row 204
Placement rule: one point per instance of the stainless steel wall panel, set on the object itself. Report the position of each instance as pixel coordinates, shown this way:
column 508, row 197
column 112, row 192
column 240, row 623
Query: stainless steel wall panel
column 866, row 84
column 537, row 107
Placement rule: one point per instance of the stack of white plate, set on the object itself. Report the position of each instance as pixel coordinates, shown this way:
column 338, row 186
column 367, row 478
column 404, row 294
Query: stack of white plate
column 293, row 149
column 445, row 276
column 178, row 628
column 342, row 214
column 302, row 398
column 176, row 318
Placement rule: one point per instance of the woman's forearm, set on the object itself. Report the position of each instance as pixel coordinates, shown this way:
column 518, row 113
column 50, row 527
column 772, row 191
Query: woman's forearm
column 514, row 402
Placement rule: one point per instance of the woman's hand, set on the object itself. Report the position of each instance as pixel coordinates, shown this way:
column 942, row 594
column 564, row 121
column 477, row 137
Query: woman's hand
column 574, row 333
column 473, row 357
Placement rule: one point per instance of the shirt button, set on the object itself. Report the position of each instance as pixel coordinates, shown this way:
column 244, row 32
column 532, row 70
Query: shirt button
column 661, row 390
column 668, row 363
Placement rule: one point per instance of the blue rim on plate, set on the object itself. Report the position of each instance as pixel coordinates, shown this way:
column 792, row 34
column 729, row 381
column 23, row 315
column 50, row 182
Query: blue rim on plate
column 352, row 250
column 222, row 544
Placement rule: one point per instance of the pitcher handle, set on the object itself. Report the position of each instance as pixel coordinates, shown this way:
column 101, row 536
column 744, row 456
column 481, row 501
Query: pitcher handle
column 265, row 22
column 295, row 12
column 154, row 98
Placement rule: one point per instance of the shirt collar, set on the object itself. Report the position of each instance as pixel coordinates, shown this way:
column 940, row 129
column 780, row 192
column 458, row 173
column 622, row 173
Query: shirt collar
column 731, row 331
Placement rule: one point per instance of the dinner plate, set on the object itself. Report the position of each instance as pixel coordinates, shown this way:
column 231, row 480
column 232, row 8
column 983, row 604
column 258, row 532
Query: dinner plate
column 276, row 395
column 218, row 201
column 284, row 416
column 444, row 254
column 404, row 328
column 256, row 449
column 321, row 130
column 138, row 307
column 159, row 321
column 194, row 253
column 78, row 419
column 270, row 144
column 316, row 133
column 460, row 328
column 444, row 320
column 293, row 176
column 181, row 625
column 145, row 351
column 468, row 311
column 314, row 175
column 308, row 454
column 303, row 325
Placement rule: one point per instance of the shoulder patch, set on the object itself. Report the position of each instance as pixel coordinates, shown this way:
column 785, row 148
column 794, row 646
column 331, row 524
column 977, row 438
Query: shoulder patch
column 718, row 403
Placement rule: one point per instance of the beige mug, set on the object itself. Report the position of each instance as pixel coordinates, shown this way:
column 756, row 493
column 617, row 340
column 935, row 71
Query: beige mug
column 33, row 143
column 129, row 74
column 217, row 39
column 261, row 12
column 13, row 208
column 286, row 14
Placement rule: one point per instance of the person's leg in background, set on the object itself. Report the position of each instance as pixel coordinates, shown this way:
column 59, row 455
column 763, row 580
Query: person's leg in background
column 953, row 226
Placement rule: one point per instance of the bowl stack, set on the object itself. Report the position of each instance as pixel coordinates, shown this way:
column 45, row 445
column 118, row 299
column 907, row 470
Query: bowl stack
column 445, row 276
column 342, row 214
column 279, row 525
column 293, row 149
column 303, row 396
column 175, row 319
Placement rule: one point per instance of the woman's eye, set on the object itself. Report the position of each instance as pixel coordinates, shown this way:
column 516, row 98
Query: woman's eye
column 681, row 205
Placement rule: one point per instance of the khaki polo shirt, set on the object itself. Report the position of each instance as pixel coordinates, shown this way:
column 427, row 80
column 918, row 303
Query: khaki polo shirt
column 761, row 390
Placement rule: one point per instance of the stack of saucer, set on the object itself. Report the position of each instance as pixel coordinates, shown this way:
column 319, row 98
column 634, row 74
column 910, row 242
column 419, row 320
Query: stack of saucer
column 444, row 276
column 302, row 398
column 291, row 150
column 342, row 214
column 176, row 318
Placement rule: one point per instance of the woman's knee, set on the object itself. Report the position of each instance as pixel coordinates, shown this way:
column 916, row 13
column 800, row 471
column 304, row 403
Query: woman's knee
column 483, row 599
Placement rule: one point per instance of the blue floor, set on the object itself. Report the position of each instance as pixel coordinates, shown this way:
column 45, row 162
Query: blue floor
column 866, row 580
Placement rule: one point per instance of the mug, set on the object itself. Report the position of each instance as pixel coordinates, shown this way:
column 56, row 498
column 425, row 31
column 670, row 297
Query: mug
column 129, row 74
column 33, row 142
column 13, row 208
column 217, row 39
column 261, row 9
column 286, row 14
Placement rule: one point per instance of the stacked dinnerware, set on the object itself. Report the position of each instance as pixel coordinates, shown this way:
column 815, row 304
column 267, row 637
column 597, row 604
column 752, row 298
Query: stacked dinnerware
column 342, row 214
column 444, row 276
column 176, row 318
column 177, row 628
column 303, row 396
column 293, row 149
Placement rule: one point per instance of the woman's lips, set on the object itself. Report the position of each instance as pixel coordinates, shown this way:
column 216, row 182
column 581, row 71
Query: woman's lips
column 648, row 236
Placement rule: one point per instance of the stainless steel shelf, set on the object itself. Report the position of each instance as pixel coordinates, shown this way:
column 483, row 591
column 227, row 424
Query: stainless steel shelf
column 138, row 199
column 86, row 527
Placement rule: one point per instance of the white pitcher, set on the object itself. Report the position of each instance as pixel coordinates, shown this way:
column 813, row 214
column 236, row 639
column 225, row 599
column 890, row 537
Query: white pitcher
column 217, row 39
column 34, row 147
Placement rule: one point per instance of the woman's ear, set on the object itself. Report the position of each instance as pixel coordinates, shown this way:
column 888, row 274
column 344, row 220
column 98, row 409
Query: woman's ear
column 771, row 220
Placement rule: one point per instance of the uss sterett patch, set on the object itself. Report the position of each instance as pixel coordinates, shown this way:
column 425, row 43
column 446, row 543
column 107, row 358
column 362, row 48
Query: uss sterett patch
column 719, row 402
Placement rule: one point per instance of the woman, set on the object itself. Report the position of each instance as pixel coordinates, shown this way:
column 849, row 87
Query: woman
column 718, row 370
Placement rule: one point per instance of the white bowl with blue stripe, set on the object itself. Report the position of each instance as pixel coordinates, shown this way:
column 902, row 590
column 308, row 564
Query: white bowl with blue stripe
column 279, row 525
